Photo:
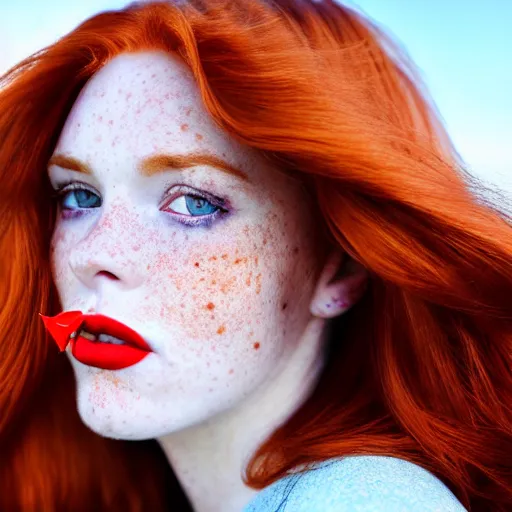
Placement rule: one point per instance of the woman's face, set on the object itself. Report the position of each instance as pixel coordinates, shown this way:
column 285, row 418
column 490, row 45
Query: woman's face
column 214, row 269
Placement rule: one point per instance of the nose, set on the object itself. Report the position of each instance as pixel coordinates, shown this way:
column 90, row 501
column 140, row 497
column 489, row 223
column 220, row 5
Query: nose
column 105, row 256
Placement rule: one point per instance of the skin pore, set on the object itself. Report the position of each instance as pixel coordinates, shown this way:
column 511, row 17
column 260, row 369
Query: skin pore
column 217, row 265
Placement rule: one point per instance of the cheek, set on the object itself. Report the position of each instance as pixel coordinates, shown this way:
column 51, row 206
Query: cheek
column 61, row 246
column 218, row 292
column 212, row 295
column 237, row 292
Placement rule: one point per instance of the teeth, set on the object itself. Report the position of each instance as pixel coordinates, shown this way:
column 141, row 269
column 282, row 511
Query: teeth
column 104, row 338
column 110, row 339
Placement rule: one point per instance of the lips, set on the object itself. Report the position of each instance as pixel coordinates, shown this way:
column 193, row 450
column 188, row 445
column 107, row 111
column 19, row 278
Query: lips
column 73, row 327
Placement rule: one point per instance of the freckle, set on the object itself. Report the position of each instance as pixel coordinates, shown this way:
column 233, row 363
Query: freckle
column 221, row 329
column 202, row 279
column 184, row 127
column 214, row 282
column 258, row 283
column 199, row 136
column 285, row 305
column 213, row 258
column 210, row 305
column 237, row 261
column 224, row 256
column 248, row 280
column 256, row 345
column 256, row 260
column 196, row 264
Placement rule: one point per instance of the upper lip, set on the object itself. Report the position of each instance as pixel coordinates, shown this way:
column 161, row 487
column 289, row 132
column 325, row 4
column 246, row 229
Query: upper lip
column 101, row 324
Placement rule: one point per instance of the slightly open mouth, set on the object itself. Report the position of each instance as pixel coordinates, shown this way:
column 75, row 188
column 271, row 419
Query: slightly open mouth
column 99, row 338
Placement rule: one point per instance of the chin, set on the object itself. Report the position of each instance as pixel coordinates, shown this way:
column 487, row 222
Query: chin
column 121, row 413
column 111, row 409
column 111, row 421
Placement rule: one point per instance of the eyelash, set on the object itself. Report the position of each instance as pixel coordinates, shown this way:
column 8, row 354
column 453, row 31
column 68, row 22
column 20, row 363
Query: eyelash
column 187, row 220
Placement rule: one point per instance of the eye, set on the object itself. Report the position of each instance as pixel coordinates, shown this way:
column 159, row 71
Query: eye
column 188, row 204
column 77, row 196
column 194, row 208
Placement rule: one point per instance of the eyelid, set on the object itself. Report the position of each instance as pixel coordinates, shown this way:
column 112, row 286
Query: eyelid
column 60, row 188
column 176, row 191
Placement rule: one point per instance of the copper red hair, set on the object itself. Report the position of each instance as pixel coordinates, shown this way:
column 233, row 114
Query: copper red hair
column 420, row 369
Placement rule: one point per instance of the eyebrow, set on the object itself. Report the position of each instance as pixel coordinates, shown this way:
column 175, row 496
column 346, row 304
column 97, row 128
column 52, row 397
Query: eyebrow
column 68, row 162
column 162, row 162
column 157, row 163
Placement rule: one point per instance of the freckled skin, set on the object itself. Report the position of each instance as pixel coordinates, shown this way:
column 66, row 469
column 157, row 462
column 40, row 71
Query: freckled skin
column 213, row 302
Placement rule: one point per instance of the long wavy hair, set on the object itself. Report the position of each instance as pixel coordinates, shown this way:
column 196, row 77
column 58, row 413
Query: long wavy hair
column 420, row 369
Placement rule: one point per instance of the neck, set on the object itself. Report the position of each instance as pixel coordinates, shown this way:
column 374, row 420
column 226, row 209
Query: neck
column 210, row 459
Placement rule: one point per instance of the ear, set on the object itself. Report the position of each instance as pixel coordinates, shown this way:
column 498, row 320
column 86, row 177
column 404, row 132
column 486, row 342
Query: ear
column 341, row 284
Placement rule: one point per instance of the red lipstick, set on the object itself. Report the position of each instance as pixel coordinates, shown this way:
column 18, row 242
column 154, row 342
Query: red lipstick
column 62, row 326
column 75, row 328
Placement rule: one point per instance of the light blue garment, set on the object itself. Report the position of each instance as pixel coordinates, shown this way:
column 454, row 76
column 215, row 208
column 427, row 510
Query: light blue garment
column 358, row 484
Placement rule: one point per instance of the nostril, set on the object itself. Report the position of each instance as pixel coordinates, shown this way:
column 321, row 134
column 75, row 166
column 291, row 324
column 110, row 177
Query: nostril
column 109, row 275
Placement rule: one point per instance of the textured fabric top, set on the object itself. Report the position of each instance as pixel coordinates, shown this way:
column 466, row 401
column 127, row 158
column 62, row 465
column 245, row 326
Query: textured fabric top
column 358, row 484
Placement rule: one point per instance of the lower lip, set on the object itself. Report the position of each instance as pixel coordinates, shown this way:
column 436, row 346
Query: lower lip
column 106, row 356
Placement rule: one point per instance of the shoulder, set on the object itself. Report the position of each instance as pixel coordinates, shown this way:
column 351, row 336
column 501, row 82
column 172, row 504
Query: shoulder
column 358, row 484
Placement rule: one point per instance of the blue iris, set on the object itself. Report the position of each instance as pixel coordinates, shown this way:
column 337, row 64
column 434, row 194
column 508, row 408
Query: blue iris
column 80, row 198
column 199, row 205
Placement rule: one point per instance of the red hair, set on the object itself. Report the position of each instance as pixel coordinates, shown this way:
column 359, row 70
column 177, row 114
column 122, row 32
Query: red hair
column 420, row 369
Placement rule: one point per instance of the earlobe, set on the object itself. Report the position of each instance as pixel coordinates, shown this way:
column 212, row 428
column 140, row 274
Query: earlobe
column 341, row 284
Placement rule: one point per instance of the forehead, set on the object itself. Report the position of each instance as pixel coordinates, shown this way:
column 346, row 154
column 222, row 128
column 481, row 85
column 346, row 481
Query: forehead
column 143, row 103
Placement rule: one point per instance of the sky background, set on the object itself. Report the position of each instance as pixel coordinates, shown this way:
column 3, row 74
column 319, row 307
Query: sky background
column 462, row 47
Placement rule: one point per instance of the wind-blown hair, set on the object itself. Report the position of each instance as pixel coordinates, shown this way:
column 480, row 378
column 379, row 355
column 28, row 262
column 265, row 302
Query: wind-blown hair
column 420, row 369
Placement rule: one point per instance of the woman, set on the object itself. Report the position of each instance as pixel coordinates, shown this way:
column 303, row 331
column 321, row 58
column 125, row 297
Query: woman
column 250, row 233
